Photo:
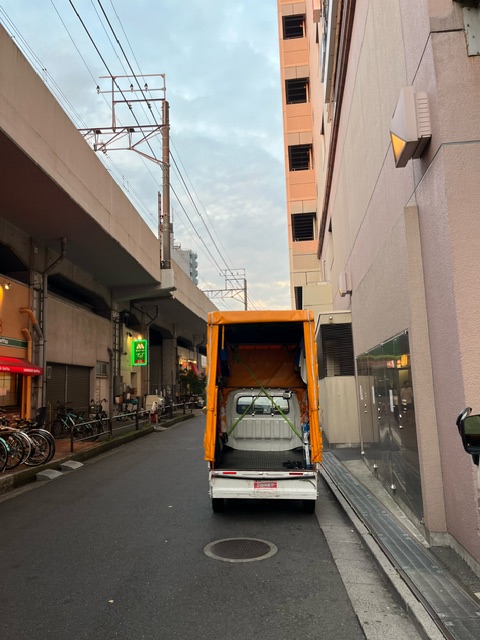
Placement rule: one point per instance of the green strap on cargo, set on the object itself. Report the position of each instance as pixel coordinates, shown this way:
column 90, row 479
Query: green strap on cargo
column 253, row 401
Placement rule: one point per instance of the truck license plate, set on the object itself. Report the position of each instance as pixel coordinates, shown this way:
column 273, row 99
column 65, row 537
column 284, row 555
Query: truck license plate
column 264, row 484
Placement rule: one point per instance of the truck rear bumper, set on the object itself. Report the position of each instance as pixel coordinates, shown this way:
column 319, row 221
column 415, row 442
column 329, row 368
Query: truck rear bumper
column 264, row 485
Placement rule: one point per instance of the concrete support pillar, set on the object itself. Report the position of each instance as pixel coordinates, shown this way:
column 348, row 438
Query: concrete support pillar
column 169, row 365
column 426, row 419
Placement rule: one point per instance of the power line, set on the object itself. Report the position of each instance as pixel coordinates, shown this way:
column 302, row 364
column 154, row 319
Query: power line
column 125, row 184
column 178, row 170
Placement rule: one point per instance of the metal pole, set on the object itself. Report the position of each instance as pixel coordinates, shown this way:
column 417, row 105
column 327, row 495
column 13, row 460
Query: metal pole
column 166, row 184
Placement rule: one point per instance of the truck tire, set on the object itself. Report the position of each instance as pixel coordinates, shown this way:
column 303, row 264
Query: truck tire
column 218, row 504
column 309, row 506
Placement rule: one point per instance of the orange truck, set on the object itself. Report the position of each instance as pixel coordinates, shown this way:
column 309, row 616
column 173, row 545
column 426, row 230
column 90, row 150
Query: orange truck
column 262, row 435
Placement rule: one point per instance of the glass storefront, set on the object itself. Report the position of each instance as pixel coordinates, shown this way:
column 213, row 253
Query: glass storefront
column 387, row 419
column 9, row 390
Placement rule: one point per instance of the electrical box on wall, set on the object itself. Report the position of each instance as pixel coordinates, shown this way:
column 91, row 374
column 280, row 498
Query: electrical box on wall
column 344, row 283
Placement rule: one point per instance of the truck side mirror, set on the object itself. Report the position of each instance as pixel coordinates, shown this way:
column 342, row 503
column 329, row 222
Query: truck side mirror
column 469, row 429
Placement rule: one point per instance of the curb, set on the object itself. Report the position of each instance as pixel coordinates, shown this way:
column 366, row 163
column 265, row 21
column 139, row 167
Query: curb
column 26, row 476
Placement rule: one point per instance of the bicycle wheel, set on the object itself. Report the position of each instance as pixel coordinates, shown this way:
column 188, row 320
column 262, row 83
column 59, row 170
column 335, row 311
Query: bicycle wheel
column 43, row 432
column 92, row 429
column 42, row 450
column 16, row 450
column 51, row 441
column 56, row 428
column 99, row 426
column 27, row 443
column 3, row 455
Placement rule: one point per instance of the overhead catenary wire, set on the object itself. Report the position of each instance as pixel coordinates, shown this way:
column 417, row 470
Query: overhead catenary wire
column 78, row 120
column 171, row 155
column 136, row 119
column 143, row 94
column 212, row 246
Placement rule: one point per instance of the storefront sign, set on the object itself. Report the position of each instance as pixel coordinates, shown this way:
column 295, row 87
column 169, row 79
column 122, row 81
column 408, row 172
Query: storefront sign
column 139, row 353
column 12, row 342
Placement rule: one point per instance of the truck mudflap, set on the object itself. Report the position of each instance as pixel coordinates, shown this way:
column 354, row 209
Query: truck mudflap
column 291, row 485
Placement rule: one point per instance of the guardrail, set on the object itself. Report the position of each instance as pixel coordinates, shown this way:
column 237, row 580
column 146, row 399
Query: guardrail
column 129, row 420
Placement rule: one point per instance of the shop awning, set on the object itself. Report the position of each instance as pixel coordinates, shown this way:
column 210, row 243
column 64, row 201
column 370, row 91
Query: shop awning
column 17, row 365
column 194, row 368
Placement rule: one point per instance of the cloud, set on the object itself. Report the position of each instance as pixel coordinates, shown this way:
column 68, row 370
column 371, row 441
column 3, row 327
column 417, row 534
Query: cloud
column 222, row 73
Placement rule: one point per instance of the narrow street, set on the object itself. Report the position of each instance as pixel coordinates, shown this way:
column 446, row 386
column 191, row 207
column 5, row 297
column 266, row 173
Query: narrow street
column 116, row 550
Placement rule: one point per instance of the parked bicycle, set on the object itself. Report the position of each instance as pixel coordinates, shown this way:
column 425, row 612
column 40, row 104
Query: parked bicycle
column 18, row 449
column 126, row 410
column 68, row 422
column 25, row 442
column 43, row 443
column 98, row 413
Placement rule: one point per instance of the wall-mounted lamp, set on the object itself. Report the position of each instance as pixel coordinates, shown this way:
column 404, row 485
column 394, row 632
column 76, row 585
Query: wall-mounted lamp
column 6, row 286
column 410, row 129
column 344, row 283
column 129, row 334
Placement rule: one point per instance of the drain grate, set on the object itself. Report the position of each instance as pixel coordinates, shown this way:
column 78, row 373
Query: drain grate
column 240, row 549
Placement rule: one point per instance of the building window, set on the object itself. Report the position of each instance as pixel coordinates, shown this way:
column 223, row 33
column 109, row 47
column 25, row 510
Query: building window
column 293, row 27
column 101, row 369
column 296, row 90
column 300, row 157
column 303, row 227
column 9, row 390
column 298, row 292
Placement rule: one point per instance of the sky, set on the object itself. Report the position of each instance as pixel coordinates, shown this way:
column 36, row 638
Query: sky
column 220, row 59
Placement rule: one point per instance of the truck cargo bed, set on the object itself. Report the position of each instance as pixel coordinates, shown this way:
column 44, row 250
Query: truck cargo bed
column 266, row 460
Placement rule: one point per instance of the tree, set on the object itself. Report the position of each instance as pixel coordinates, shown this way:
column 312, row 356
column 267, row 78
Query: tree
column 191, row 384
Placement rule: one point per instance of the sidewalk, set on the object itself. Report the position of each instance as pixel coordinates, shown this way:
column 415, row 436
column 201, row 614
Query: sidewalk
column 442, row 589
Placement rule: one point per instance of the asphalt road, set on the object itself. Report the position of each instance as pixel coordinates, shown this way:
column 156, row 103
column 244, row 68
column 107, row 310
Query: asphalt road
column 116, row 550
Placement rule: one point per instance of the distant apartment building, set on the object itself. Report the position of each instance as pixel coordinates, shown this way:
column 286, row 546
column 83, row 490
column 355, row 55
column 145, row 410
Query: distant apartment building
column 381, row 113
column 187, row 260
column 304, row 142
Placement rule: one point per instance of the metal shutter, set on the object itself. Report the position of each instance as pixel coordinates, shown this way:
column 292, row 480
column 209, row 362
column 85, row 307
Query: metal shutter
column 78, row 387
column 68, row 383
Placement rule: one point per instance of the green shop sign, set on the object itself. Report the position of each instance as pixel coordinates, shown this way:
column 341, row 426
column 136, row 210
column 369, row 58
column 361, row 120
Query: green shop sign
column 139, row 353
column 12, row 342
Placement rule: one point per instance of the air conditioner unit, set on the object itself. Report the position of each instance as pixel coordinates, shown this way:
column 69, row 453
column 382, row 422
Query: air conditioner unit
column 344, row 283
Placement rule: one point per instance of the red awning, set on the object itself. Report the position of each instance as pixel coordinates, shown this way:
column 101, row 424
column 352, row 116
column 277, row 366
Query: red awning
column 194, row 368
column 17, row 365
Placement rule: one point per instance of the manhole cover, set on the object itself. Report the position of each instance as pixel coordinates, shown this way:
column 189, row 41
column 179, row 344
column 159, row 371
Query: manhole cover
column 240, row 549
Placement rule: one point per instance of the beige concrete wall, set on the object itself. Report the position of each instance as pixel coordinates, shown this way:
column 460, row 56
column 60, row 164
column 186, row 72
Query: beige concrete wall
column 76, row 336
column 448, row 201
column 31, row 116
column 190, row 295
column 339, row 410
column 409, row 236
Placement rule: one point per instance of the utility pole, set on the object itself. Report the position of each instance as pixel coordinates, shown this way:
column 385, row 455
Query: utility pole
column 166, row 238
column 131, row 137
